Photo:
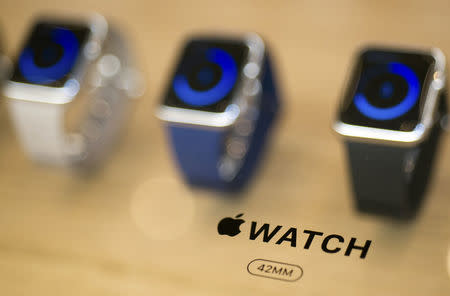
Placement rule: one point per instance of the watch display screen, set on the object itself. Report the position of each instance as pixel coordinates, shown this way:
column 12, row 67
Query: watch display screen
column 206, row 75
column 387, row 90
column 50, row 53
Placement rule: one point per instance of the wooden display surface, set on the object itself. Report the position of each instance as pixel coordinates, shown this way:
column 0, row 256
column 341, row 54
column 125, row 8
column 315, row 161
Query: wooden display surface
column 134, row 228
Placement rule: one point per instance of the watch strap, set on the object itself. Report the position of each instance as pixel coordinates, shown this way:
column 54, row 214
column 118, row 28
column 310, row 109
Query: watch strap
column 40, row 129
column 392, row 180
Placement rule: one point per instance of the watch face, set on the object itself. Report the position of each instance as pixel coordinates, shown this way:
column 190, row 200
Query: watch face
column 50, row 53
column 388, row 90
column 206, row 75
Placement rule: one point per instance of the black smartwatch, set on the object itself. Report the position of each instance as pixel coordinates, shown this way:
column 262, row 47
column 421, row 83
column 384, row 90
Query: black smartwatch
column 390, row 121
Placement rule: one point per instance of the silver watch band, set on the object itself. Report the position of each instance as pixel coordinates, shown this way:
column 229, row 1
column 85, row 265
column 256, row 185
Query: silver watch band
column 108, row 88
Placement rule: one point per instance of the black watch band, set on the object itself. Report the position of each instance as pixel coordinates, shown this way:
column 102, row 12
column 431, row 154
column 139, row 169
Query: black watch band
column 392, row 180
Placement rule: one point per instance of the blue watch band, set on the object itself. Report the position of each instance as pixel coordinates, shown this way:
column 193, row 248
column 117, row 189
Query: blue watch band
column 198, row 150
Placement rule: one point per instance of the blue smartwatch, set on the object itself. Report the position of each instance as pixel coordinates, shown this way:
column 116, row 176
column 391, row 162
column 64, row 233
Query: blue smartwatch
column 390, row 119
column 218, row 109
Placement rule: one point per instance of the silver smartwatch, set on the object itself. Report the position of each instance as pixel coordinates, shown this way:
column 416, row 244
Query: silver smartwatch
column 70, row 90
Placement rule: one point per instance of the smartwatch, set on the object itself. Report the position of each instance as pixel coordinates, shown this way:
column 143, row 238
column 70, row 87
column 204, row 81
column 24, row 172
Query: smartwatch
column 390, row 120
column 218, row 109
column 70, row 90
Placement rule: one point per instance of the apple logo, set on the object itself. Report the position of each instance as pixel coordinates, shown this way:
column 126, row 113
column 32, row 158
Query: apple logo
column 229, row 226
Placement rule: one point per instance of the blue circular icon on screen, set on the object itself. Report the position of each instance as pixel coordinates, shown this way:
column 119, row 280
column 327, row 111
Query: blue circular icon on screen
column 45, row 75
column 386, row 92
column 205, row 76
